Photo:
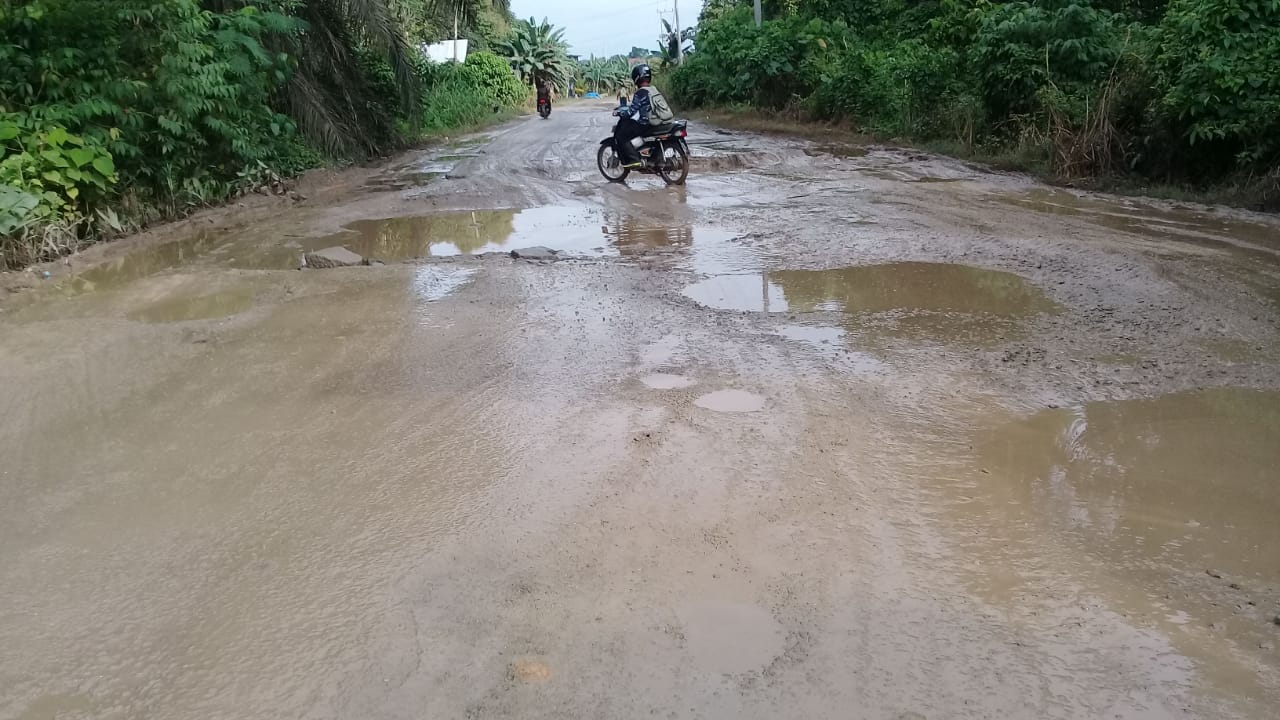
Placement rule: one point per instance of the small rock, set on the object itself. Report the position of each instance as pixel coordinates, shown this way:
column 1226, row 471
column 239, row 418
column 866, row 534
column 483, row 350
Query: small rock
column 536, row 252
column 332, row 257
column 1213, row 574
column 1276, row 620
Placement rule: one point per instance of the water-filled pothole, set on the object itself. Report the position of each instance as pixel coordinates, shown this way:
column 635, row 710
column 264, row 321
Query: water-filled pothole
column 902, row 286
column 1181, row 481
column 568, row 229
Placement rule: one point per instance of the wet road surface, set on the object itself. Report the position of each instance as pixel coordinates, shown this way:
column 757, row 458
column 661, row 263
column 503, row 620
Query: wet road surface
column 830, row 432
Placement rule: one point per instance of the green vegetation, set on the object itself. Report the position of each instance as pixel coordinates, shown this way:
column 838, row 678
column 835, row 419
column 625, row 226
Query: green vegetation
column 605, row 76
column 537, row 52
column 467, row 95
column 1182, row 93
column 117, row 114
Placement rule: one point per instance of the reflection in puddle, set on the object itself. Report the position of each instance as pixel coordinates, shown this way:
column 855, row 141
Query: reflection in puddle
column 1184, row 482
column 1176, row 498
column 1166, row 508
column 143, row 263
column 181, row 309
column 912, row 286
column 833, row 341
column 573, row 230
column 1204, row 228
column 237, row 251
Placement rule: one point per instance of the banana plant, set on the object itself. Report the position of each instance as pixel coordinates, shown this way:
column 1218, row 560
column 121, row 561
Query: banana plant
column 537, row 51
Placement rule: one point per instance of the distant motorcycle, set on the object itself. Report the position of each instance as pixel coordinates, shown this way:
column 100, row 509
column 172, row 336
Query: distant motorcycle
column 664, row 152
column 544, row 107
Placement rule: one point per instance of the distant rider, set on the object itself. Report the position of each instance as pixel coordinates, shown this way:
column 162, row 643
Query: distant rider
column 648, row 109
column 544, row 92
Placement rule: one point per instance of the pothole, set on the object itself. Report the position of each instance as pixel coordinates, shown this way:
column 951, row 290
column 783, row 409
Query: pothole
column 573, row 230
column 1177, row 493
column 1131, row 478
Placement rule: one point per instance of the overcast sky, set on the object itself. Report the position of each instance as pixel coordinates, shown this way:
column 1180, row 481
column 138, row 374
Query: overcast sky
column 607, row 27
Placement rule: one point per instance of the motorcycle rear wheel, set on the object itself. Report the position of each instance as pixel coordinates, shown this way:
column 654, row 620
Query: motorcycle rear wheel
column 611, row 165
column 675, row 170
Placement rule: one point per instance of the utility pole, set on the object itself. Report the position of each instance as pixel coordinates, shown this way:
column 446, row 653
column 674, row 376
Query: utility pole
column 679, row 39
column 757, row 13
column 455, row 32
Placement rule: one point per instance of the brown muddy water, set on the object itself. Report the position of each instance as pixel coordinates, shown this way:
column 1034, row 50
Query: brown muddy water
column 573, row 230
column 1184, row 482
column 1170, row 502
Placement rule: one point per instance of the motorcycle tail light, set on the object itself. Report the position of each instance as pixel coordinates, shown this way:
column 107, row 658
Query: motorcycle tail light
column 684, row 134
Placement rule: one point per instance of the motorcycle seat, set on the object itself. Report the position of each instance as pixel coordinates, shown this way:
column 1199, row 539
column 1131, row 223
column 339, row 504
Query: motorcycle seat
column 658, row 131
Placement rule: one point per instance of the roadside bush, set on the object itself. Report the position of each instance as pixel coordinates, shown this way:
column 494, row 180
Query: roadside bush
column 166, row 99
column 465, row 95
column 1218, row 67
column 1020, row 48
column 1184, row 91
column 775, row 66
column 493, row 76
column 899, row 89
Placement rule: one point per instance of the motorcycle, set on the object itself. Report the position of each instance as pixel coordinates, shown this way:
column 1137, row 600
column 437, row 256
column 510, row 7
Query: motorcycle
column 664, row 152
column 544, row 107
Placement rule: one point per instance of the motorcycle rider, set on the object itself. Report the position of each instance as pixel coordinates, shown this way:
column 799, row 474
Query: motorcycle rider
column 648, row 109
column 544, row 92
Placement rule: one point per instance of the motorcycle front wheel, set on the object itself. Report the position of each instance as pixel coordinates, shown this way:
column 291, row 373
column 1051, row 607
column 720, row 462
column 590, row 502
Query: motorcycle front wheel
column 675, row 169
column 610, row 164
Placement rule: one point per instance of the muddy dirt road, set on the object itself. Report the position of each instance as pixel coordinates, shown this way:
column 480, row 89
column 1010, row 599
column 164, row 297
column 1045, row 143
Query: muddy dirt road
column 831, row 432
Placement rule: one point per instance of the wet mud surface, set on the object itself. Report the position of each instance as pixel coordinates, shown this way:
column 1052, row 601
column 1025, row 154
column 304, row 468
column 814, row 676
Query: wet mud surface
column 830, row 427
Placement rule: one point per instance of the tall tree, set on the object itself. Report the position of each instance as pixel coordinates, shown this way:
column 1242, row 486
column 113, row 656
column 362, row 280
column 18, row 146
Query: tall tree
column 331, row 94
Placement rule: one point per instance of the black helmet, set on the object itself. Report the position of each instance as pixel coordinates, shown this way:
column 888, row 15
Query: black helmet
column 640, row 73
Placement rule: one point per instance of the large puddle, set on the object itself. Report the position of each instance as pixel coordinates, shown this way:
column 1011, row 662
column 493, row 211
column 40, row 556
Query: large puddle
column 905, row 286
column 574, row 230
column 571, row 230
column 1171, row 506
column 1186, row 482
